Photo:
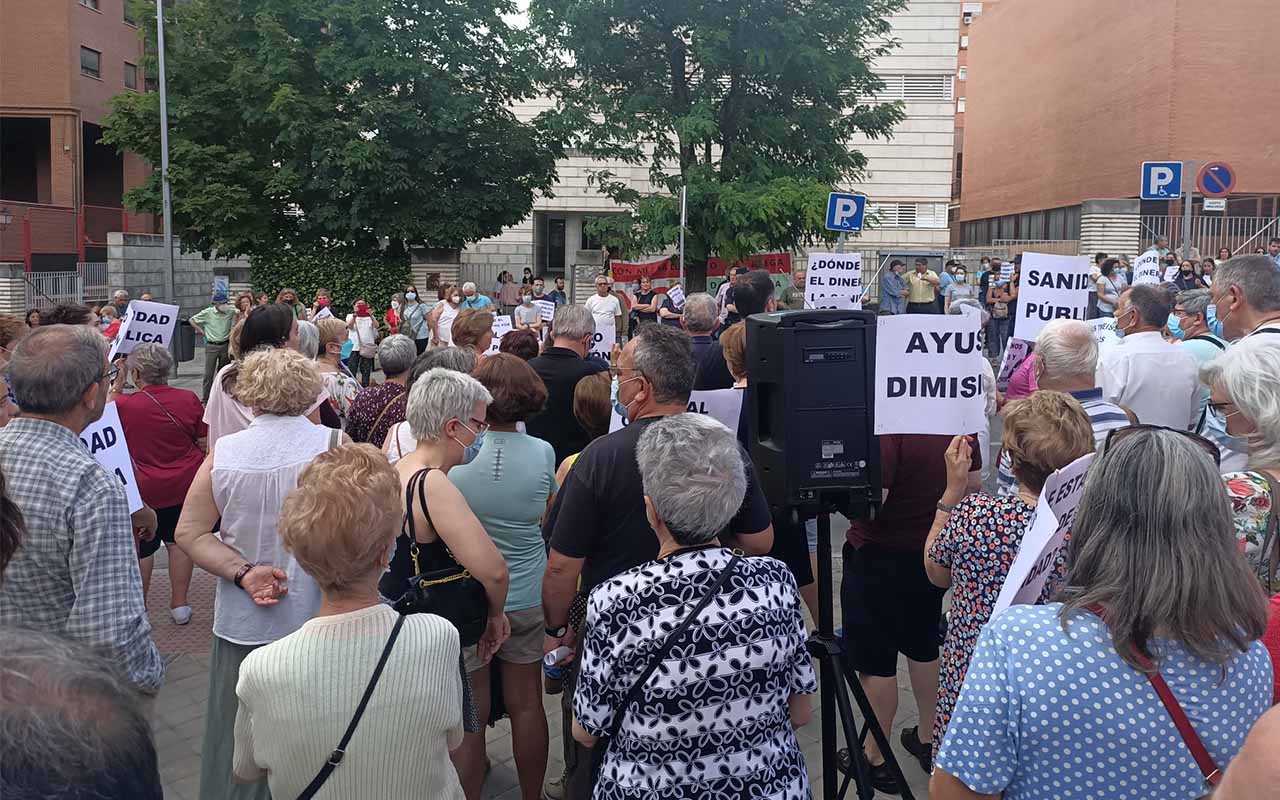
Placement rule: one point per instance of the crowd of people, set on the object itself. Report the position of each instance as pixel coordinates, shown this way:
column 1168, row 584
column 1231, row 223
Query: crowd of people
column 391, row 508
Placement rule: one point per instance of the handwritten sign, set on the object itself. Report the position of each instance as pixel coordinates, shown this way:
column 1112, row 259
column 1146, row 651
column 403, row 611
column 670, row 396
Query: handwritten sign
column 546, row 309
column 1146, row 268
column 722, row 405
column 1046, row 537
column 1014, row 354
column 501, row 327
column 929, row 375
column 1171, row 273
column 676, row 295
column 1053, row 287
column 603, row 340
column 833, row 280
column 144, row 321
column 105, row 441
column 1104, row 330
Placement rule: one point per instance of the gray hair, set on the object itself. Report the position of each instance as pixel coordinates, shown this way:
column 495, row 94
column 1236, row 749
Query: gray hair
column 53, row 365
column 1249, row 373
column 439, row 396
column 959, row 307
column 1066, row 349
column 308, row 338
column 1194, row 301
column 396, row 354
column 1154, row 544
column 152, row 361
column 1257, row 278
column 573, row 322
column 664, row 356
column 693, row 472
column 72, row 726
column 1151, row 301
column 700, row 313
column 458, row 359
column 469, row 285
column 120, row 294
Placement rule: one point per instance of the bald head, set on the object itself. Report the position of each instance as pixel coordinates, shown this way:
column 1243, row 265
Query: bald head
column 1067, row 355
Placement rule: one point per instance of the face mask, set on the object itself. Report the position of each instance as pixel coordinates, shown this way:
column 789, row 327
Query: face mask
column 455, row 299
column 537, row 290
column 470, row 451
column 1175, row 327
column 960, row 276
column 362, row 310
column 1215, row 324
column 395, row 304
column 526, row 299
column 322, row 303
column 410, row 295
column 1119, row 330
column 615, row 400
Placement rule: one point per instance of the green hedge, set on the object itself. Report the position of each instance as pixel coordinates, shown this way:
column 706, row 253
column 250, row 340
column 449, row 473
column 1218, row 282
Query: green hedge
column 346, row 275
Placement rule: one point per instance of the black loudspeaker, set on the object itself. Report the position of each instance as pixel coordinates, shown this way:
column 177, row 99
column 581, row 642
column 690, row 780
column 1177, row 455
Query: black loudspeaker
column 811, row 402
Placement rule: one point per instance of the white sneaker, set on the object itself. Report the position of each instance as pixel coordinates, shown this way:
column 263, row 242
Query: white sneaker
column 181, row 615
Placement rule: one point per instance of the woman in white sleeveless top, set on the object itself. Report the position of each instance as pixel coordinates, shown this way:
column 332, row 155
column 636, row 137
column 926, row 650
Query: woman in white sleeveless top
column 263, row 595
column 443, row 315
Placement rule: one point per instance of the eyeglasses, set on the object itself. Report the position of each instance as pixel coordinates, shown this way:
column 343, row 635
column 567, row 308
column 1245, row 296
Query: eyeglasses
column 1204, row 444
column 109, row 374
column 616, row 372
column 481, row 427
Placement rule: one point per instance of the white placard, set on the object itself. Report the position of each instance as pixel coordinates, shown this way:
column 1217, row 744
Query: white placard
column 1043, row 541
column 104, row 440
column 1053, row 287
column 144, row 321
column 1146, row 268
column 1171, row 273
column 929, row 375
column 833, row 280
column 366, row 331
column 323, row 313
column 1104, row 330
column 722, row 405
column 676, row 295
column 546, row 309
column 602, row 343
column 1015, row 352
column 501, row 326
column 1006, row 271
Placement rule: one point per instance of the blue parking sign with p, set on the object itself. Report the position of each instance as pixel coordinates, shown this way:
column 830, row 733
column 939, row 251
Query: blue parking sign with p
column 845, row 211
column 1161, row 180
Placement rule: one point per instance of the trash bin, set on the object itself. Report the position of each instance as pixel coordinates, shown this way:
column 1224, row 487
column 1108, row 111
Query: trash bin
column 184, row 341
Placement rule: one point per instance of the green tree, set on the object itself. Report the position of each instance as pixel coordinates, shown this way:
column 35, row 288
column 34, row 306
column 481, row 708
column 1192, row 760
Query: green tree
column 751, row 104
column 362, row 123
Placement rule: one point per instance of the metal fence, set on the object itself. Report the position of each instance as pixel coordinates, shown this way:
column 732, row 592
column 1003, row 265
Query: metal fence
column 96, row 286
column 1209, row 233
column 46, row 289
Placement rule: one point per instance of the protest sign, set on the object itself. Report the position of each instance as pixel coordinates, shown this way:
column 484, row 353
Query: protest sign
column 1104, row 330
column 722, row 405
column 1015, row 352
column 145, row 321
column 1146, row 268
column 676, row 294
column 104, row 440
column 929, row 375
column 1046, row 536
column 1053, row 287
column 501, row 326
column 546, row 309
column 833, row 280
column 1006, row 271
column 1171, row 273
column 603, row 341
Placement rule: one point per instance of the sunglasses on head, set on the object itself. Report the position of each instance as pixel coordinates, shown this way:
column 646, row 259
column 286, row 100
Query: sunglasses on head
column 1204, row 444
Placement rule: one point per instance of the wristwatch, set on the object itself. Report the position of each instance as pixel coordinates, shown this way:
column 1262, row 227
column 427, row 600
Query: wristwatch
column 240, row 573
column 944, row 508
column 557, row 633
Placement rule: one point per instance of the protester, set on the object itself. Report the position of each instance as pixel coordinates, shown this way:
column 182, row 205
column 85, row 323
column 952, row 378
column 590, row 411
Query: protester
column 1053, row 692
column 341, row 387
column 509, row 487
column 644, row 308
column 593, row 411
column 289, row 299
column 997, row 300
column 893, row 289
column 597, row 525
column 109, row 322
column 413, row 318
column 442, row 317
column 1246, row 298
column 526, row 278
column 12, row 330
column 76, row 574
column 1244, row 393
column 521, row 344
column 1187, row 279
column 71, row 726
column 239, row 491
column 69, row 314
column 1065, row 360
column 297, row 694
column 473, row 299
column 561, row 366
column 262, row 298
column 889, row 604
column 473, row 329
column 378, row 407
column 792, row 298
column 33, row 318
column 1153, row 378
column 726, row 296
column 508, row 294
column 1255, row 771
column 1110, row 285
column 244, row 304
column 540, row 289
column 120, row 302
column 699, row 320
column 1205, row 270
column 308, row 339
column 1189, row 324
column 558, row 294
column 922, row 285
column 1022, row 383
column 975, row 538
column 692, row 483
column 603, row 305
column 527, row 316
column 399, row 439
column 754, row 295
column 668, row 312
column 958, row 289
column 392, row 317
column 361, row 330
column 167, row 443
column 1273, row 250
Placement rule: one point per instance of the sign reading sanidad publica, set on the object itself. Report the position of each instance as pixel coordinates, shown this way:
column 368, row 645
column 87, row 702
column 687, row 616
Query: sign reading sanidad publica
column 145, row 321
column 105, row 441
column 929, row 375
column 1052, row 287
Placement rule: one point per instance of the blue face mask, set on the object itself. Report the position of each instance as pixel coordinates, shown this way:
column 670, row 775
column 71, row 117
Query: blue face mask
column 1175, row 327
column 1215, row 324
column 471, row 451
column 613, row 397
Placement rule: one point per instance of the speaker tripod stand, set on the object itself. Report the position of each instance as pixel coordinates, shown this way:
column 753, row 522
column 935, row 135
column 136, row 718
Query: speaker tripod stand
column 836, row 683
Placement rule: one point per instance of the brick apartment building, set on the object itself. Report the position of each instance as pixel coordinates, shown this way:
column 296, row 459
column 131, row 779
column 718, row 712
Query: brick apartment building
column 60, row 63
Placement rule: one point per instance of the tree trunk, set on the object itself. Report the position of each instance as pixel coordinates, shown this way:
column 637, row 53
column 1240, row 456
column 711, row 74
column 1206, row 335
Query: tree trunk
column 695, row 275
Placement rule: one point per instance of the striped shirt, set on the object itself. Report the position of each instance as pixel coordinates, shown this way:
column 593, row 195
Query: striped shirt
column 1104, row 416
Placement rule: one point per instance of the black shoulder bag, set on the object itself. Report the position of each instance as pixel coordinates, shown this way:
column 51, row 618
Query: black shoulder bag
column 450, row 592
column 335, row 758
column 601, row 747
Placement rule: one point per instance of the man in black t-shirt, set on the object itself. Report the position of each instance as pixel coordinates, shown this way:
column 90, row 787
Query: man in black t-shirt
column 753, row 296
column 598, row 526
column 561, row 366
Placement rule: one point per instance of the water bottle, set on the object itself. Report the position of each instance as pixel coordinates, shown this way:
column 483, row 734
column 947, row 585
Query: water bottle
column 553, row 673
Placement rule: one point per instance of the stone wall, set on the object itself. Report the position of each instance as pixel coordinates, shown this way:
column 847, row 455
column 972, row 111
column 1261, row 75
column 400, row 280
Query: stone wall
column 136, row 263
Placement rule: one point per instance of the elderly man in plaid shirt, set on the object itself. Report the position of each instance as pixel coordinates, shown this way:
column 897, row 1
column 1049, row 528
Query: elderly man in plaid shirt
column 76, row 571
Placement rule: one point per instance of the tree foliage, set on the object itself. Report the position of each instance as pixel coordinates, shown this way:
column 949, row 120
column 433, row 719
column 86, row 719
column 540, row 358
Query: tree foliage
column 347, row 275
column 751, row 104
column 360, row 123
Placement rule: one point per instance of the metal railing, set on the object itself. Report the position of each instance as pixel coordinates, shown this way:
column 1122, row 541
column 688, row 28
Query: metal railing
column 44, row 289
column 96, row 286
column 1056, row 247
column 1209, row 233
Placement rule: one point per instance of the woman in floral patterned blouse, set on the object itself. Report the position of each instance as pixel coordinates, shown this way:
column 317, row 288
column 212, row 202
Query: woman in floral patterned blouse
column 1244, row 392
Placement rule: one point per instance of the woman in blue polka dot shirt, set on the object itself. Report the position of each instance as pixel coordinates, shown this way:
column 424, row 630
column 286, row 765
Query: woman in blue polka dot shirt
column 1055, row 705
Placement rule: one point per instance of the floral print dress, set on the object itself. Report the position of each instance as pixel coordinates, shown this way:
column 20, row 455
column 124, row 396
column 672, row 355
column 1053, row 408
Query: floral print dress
column 1251, row 507
column 978, row 544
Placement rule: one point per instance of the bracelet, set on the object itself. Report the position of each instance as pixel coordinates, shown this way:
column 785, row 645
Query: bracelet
column 944, row 508
column 240, row 573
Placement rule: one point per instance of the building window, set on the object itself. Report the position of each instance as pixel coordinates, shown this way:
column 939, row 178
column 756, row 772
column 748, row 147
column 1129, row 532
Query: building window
column 909, row 215
column 90, row 4
column 129, row 19
column 130, row 75
column 964, row 42
column 919, row 88
column 963, row 74
column 90, row 62
column 960, row 106
column 972, row 8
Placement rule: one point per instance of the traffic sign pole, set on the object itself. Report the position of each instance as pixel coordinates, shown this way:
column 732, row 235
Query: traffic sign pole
column 840, row 244
column 1188, row 192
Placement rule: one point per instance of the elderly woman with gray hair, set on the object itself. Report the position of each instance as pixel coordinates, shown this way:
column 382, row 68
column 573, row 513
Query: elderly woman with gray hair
column 167, row 443
column 717, row 718
column 1072, row 699
column 380, row 406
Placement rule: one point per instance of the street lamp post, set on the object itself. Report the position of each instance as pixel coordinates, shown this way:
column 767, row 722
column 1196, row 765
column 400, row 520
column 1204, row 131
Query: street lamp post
column 169, row 294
